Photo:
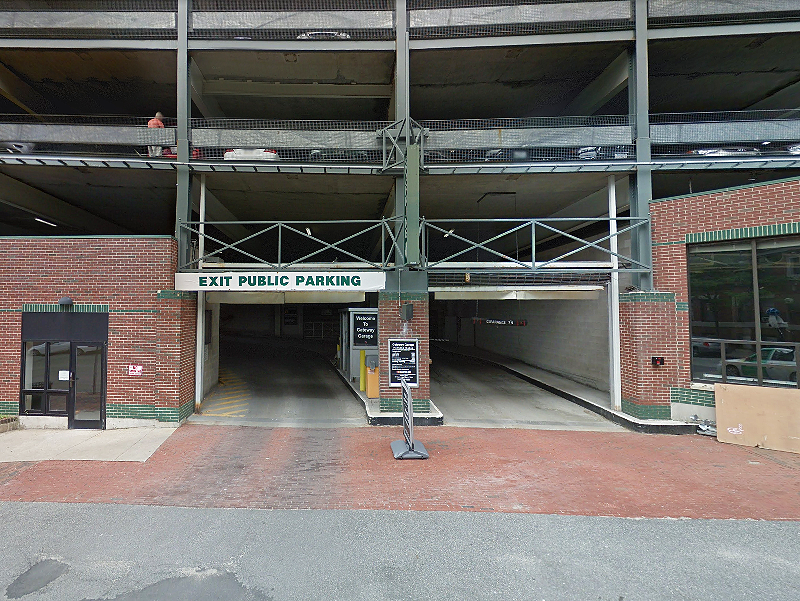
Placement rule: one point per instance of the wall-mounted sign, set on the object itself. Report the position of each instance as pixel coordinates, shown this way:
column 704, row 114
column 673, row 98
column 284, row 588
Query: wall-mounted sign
column 135, row 370
column 365, row 329
column 500, row 322
column 403, row 362
column 63, row 374
column 283, row 281
column 289, row 316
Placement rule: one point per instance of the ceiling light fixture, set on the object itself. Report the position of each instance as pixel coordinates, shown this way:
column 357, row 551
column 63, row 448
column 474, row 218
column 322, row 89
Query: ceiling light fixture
column 446, row 234
column 308, row 231
column 45, row 222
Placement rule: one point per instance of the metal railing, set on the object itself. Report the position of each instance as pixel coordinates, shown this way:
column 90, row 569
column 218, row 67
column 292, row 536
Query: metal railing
column 512, row 244
column 285, row 245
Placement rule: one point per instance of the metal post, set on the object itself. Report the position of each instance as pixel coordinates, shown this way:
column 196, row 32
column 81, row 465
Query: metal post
column 615, row 362
column 412, row 203
column 401, row 114
column 199, row 355
column 641, row 243
column 201, row 243
column 183, row 203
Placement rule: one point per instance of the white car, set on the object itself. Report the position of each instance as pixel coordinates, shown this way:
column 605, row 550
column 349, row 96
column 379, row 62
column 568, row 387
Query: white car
column 324, row 35
column 727, row 151
column 251, row 154
column 17, row 147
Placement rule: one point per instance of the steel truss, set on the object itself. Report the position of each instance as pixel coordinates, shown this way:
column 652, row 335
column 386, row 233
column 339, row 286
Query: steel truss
column 434, row 233
column 384, row 236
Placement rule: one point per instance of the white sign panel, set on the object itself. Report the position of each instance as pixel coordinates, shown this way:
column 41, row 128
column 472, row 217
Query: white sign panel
column 134, row 370
column 63, row 375
column 283, row 281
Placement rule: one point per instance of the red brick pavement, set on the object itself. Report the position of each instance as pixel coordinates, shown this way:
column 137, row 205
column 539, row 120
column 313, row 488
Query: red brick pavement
column 524, row 471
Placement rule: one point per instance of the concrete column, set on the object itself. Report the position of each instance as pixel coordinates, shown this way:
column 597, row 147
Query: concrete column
column 614, row 381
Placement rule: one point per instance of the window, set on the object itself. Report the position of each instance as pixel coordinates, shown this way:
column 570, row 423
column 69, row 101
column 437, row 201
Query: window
column 745, row 311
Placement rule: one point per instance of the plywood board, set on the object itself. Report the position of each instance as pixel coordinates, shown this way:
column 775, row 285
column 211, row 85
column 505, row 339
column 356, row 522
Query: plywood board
column 756, row 416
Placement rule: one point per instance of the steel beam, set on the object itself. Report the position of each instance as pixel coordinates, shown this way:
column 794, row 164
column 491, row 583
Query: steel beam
column 641, row 242
column 229, row 87
column 21, row 94
column 604, row 87
column 295, row 45
column 207, row 106
column 709, row 31
column 183, row 200
column 589, row 37
column 88, row 44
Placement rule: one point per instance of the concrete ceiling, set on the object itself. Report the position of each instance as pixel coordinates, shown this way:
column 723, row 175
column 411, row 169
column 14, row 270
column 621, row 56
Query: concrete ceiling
column 105, row 82
column 518, row 81
column 139, row 202
column 729, row 73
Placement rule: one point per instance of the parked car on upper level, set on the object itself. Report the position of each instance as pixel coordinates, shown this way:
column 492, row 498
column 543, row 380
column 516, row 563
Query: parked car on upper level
column 324, row 35
column 726, row 151
column 251, row 154
column 777, row 364
column 590, row 153
column 17, row 147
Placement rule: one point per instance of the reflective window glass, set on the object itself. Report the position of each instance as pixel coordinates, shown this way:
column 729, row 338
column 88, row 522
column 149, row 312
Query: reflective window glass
column 34, row 402
column 34, row 365
column 779, row 289
column 721, row 289
column 59, row 365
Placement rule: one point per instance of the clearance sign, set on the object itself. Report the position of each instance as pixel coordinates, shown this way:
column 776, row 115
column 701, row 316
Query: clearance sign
column 283, row 281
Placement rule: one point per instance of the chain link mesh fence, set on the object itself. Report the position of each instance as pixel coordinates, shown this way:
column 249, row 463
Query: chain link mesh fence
column 474, row 18
column 666, row 13
column 308, row 20
column 92, row 19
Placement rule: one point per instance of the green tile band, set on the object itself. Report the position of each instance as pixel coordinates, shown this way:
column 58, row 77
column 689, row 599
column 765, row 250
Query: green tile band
column 176, row 295
column 9, row 408
column 162, row 414
column 407, row 296
column 396, row 405
column 690, row 396
column 647, row 297
column 56, row 308
column 646, row 411
column 739, row 233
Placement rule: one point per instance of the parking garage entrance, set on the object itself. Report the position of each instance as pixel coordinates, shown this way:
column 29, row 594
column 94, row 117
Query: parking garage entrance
column 558, row 337
column 268, row 344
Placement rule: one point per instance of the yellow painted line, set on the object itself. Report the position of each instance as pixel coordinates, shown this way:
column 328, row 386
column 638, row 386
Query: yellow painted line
column 228, row 397
column 225, row 414
column 230, row 405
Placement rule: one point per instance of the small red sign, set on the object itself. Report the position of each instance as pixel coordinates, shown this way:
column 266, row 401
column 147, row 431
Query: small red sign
column 134, row 370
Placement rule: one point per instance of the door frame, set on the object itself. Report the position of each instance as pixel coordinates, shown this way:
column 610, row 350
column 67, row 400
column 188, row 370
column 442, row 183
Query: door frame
column 95, row 424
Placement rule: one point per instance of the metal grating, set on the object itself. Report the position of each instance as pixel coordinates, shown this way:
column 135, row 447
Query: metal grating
column 457, row 279
column 307, row 20
column 89, row 19
column 429, row 19
column 666, row 13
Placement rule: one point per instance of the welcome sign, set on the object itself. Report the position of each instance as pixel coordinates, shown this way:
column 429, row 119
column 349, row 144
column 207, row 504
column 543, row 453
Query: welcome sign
column 283, row 281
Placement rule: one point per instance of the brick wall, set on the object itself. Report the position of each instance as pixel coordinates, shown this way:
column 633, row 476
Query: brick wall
column 390, row 326
column 150, row 324
column 759, row 210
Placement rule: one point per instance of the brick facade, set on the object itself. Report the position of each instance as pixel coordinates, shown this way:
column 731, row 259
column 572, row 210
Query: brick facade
column 759, row 210
column 150, row 324
column 391, row 326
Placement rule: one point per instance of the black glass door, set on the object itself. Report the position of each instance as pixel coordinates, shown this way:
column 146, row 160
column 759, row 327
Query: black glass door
column 86, row 399
column 46, row 378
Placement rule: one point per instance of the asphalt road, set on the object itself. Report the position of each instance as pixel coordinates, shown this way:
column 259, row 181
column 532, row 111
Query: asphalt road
column 66, row 552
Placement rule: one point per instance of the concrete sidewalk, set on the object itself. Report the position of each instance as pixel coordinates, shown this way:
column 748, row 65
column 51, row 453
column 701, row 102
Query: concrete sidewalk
column 623, row 474
column 131, row 444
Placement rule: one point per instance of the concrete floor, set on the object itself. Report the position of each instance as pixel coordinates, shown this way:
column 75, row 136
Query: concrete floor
column 472, row 393
column 270, row 382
